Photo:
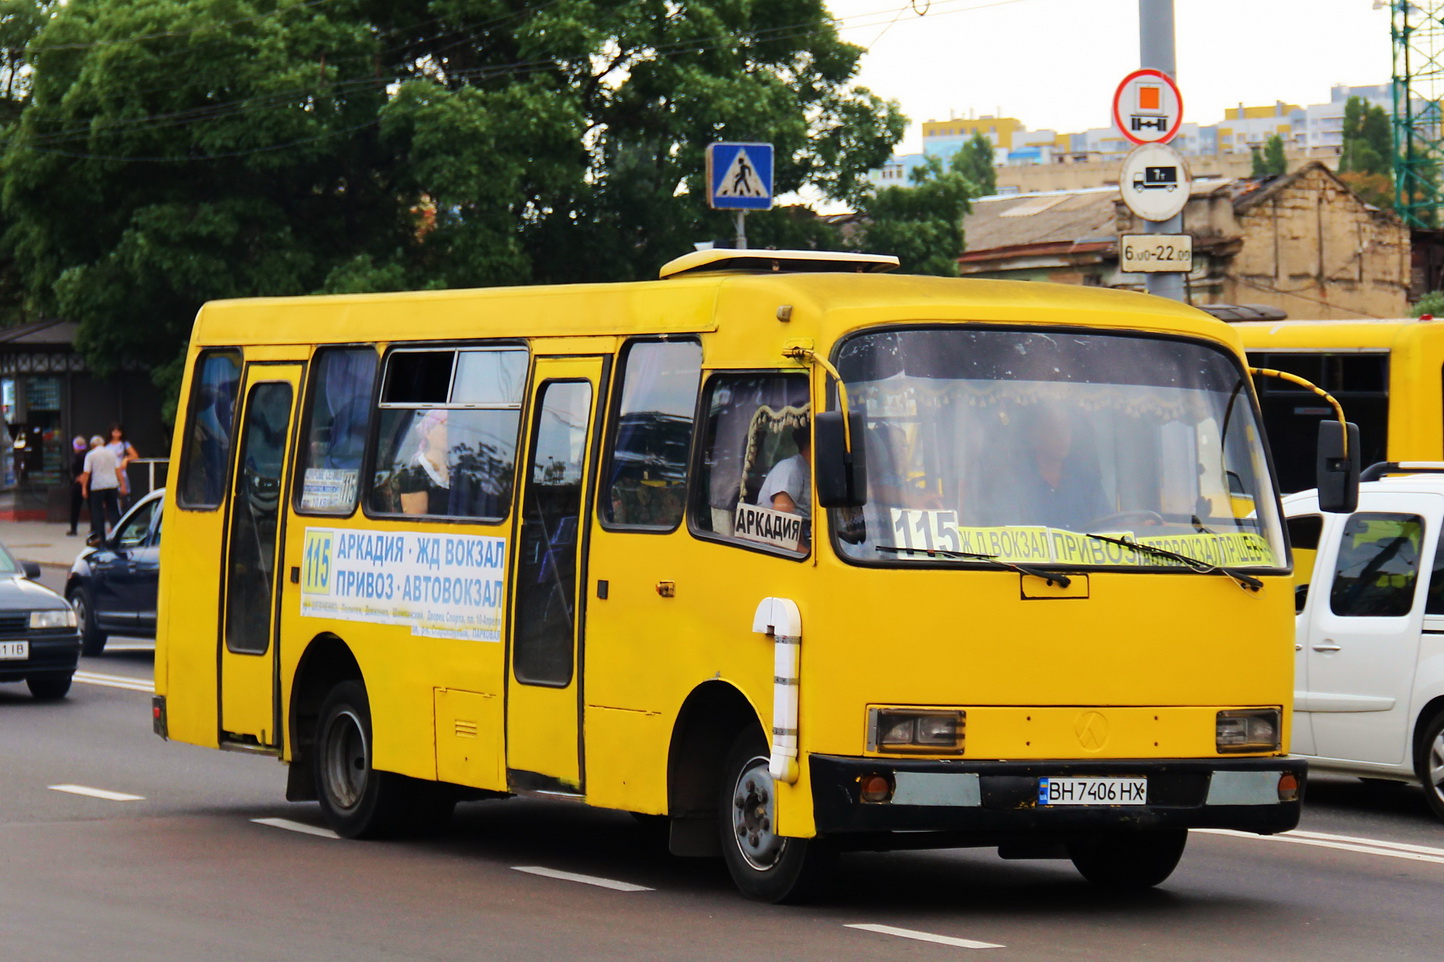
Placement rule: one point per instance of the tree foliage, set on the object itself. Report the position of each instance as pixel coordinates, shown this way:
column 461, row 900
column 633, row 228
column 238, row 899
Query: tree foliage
column 173, row 151
column 921, row 224
column 1366, row 163
column 975, row 162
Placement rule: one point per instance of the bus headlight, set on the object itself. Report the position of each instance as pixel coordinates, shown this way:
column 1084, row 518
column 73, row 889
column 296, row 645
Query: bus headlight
column 923, row 731
column 1248, row 730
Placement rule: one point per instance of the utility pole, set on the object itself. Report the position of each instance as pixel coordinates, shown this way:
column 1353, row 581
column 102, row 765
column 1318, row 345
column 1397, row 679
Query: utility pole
column 1155, row 50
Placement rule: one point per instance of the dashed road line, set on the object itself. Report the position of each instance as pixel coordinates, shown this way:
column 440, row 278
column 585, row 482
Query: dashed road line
column 1344, row 843
column 102, row 793
column 605, row 883
column 917, row 936
column 300, row 827
column 115, row 681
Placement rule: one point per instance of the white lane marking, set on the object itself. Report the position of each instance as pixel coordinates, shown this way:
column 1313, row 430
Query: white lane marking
column 1344, row 843
column 301, row 827
column 926, row 937
column 605, row 883
column 89, row 792
column 115, row 681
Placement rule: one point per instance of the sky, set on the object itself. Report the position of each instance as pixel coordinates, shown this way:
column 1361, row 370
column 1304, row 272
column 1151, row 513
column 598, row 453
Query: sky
column 1054, row 64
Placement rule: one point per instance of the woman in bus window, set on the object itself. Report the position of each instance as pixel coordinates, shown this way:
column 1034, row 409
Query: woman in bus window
column 425, row 484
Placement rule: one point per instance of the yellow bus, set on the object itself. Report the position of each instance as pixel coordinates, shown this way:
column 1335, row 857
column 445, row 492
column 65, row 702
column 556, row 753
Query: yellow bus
column 803, row 555
column 1389, row 375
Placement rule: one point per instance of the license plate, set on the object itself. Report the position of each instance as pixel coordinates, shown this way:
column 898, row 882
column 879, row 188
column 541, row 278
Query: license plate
column 14, row 650
column 1092, row 791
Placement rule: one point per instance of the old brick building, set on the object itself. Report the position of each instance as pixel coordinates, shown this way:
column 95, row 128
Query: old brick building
column 1303, row 243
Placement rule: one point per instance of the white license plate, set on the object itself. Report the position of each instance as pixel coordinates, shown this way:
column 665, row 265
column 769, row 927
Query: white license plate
column 14, row 650
column 1092, row 791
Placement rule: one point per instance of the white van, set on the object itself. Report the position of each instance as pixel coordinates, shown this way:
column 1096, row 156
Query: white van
column 1369, row 635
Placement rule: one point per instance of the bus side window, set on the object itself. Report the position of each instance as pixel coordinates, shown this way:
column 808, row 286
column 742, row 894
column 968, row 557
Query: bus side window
column 446, row 445
column 752, row 425
column 647, row 463
column 206, row 459
column 338, row 418
column 1304, row 533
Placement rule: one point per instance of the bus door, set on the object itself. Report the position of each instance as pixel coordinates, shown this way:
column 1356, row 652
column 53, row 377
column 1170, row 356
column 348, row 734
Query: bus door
column 544, row 690
column 249, row 710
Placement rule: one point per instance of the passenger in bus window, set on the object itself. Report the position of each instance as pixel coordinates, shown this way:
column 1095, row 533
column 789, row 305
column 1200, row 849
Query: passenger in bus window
column 425, row 484
column 1055, row 484
column 788, row 486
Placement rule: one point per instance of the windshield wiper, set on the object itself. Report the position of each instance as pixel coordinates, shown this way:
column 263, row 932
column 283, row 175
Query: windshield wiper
column 1052, row 577
column 1194, row 564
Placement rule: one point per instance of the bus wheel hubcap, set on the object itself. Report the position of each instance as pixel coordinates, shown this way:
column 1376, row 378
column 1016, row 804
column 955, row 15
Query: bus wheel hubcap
column 753, row 817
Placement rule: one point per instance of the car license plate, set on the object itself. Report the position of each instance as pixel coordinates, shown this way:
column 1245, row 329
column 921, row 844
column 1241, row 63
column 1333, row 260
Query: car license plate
column 1092, row 791
column 14, row 650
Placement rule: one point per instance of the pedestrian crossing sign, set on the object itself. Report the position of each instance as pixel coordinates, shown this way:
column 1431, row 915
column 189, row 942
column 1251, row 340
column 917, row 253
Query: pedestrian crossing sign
column 739, row 176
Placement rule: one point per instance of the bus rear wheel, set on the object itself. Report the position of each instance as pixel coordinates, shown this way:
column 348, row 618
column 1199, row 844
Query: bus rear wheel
column 357, row 800
column 764, row 865
column 1128, row 860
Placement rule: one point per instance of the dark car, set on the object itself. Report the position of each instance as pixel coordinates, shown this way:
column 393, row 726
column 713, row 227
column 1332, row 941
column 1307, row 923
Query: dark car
column 112, row 585
column 38, row 641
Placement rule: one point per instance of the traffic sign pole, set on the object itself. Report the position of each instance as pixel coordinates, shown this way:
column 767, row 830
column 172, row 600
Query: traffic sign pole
column 1156, row 51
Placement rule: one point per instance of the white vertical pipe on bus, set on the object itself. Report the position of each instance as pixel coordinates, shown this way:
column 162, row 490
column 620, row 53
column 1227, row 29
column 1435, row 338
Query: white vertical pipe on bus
column 780, row 618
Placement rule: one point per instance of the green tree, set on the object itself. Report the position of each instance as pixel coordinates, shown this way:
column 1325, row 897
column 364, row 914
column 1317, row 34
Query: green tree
column 1431, row 303
column 1366, row 161
column 1269, row 161
column 921, row 224
column 1275, row 163
column 975, row 162
column 174, row 151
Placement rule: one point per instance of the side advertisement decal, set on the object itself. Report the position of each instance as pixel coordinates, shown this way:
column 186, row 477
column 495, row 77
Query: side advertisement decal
column 442, row 585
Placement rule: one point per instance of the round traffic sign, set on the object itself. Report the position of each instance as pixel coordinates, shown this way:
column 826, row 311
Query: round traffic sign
column 1154, row 181
column 1147, row 107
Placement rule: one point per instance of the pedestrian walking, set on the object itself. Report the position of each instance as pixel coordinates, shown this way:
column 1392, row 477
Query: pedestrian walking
column 100, row 482
column 124, row 452
column 77, row 490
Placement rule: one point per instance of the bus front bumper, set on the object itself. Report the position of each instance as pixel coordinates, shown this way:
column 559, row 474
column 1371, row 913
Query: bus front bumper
column 1002, row 798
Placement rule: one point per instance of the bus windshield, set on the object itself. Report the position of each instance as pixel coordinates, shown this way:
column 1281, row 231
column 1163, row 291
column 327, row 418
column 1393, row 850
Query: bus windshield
column 1021, row 445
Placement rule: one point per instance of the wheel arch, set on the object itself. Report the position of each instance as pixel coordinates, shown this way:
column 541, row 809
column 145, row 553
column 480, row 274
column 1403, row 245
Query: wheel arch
column 326, row 663
column 1431, row 709
column 707, row 724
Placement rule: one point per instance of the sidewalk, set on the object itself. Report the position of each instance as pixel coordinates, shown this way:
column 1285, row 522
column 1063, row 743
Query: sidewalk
column 42, row 541
column 27, row 536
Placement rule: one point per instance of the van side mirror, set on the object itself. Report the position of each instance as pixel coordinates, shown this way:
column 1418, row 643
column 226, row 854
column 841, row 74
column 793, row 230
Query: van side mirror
column 31, row 569
column 841, row 474
column 1338, row 475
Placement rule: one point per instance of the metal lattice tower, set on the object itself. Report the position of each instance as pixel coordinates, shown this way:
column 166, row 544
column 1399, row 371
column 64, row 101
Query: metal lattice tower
column 1417, row 29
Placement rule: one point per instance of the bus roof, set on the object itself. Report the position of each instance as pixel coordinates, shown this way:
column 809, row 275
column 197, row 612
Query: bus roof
column 1378, row 334
column 743, row 307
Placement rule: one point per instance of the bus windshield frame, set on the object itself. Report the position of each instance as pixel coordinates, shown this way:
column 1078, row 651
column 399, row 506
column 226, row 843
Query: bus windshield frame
column 1020, row 444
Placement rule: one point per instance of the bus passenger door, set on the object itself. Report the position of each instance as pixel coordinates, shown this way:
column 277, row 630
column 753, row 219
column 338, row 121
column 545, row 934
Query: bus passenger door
column 249, row 711
column 544, row 690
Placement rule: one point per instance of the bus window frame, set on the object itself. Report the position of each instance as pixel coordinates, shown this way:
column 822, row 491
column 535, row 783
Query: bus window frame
column 614, row 424
column 188, row 452
column 308, row 395
column 368, row 466
column 699, row 452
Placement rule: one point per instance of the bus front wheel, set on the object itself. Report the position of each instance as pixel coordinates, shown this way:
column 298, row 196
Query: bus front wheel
column 357, row 800
column 764, row 865
column 1128, row 860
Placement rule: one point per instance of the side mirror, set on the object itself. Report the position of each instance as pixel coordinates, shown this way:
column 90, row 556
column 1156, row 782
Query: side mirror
column 1338, row 475
column 31, row 569
column 841, row 474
